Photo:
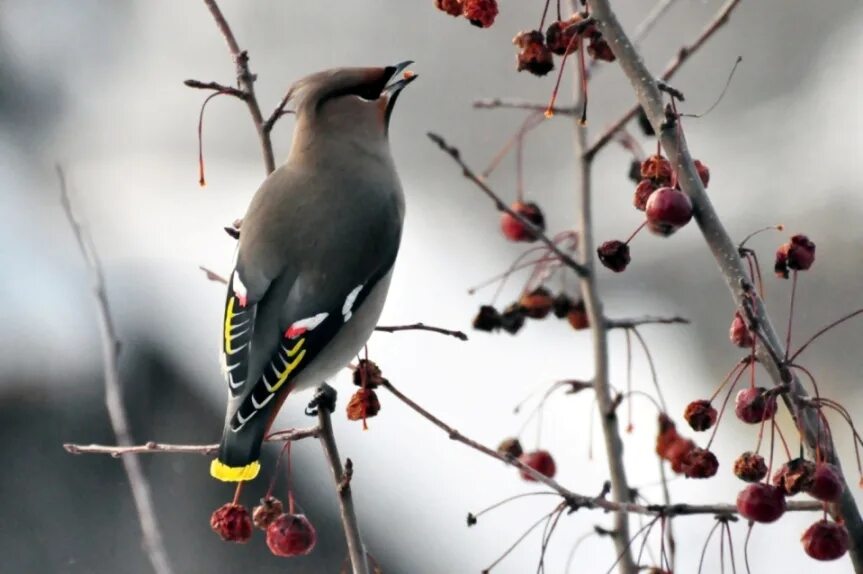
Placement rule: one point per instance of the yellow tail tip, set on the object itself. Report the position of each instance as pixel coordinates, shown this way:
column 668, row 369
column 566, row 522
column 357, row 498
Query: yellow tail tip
column 225, row 473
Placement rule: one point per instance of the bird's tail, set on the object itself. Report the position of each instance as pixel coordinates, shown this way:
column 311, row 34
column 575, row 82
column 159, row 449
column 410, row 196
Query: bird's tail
column 240, row 451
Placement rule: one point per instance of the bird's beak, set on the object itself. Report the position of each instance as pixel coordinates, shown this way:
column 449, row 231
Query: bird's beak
column 399, row 77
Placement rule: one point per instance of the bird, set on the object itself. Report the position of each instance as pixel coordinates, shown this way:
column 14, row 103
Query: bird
column 314, row 257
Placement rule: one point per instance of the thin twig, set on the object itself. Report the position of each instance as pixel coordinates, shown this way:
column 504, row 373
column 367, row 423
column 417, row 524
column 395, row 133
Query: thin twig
column 682, row 55
column 770, row 349
column 356, row 550
column 216, row 87
column 161, row 447
column 422, row 327
column 154, row 546
column 652, row 19
column 515, row 104
column 648, row 320
column 454, row 153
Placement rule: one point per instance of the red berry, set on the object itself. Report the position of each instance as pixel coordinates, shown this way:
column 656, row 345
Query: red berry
column 796, row 255
column 577, row 316
column 481, row 13
column 537, row 304
column 750, row 467
column 614, row 255
column 677, row 453
column 533, row 56
column 368, row 374
column 562, row 305
column 700, row 415
column 667, row 211
column 761, row 502
column 825, row 540
column 658, row 169
column 827, row 483
column 515, row 230
column 752, row 405
column 559, row 35
column 267, row 511
column 232, row 523
column 451, row 7
column 600, row 50
column 643, row 191
column 291, row 535
column 739, row 333
column 540, row 461
column 703, row 172
column 364, row 404
column 794, row 476
column 699, row 463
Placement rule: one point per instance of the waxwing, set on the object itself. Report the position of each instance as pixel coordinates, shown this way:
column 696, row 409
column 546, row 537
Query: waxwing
column 315, row 255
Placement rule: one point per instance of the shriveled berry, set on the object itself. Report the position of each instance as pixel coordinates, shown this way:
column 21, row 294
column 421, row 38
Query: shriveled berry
column 232, row 523
column 512, row 319
column 699, row 463
column 703, row 172
column 796, row 255
column 368, row 374
column 481, row 13
column 540, row 461
column 577, row 316
column 739, row 332
column 761, row 503
column 752, row 405
column 515, row 230
column 510, row 447
column 533, row 55
column 559, row 36
column 750, row 467
column 291, row 535
column 826, row 540
column 562, row 304
column 537, row 304
column 643, row 191
column 677, row 453
column 364, row 404
column 487, row 319
column 451, row 7
column 600, row 50
column 700, row 415
column 795, row 476
column 667, row 211
column 827, row 483
column 614, row 255
column 658, row 169
column 266, row 512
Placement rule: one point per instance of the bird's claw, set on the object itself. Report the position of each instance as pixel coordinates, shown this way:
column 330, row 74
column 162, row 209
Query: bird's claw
column 325, row 397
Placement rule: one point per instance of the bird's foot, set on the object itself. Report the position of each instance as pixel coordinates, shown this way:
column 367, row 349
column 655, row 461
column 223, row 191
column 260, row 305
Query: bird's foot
column 325, row 397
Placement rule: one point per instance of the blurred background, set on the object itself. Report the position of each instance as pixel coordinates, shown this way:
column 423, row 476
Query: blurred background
column 97, row 87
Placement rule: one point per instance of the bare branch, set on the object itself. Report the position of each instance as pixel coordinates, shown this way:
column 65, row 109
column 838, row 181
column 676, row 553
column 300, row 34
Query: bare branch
column 513, row 104
column 216, row 87
column 154, row 546
column 648, row 320
column 454, row 153
column 278, row 112
column 422, row 327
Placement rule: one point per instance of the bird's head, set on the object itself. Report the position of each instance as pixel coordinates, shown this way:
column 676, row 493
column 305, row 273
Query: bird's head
column 347, row 102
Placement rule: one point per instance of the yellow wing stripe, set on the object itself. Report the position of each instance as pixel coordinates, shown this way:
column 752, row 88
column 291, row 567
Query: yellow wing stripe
column 296, row 348
column 283, row 376
column 225, row 473
column 229, row 316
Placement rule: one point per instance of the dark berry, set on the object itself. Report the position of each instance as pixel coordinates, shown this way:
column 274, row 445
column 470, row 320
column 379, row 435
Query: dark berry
column 291, row 535
column 481, row 13
column 658, row 169
column 750, row 467
column 600, row 50
column 614, row 255
column 559, row 36
column 577, row 316
column 512, row 319
column 761, row 503
column 451, row 7
column 488, row 319
column 796, row 255
column 540, row 461
column 515, row 230
column 232, row 523
column 739, row 332
column 667, row 211
column 537, row 304
column 562, row 304
column 703, row 172
column 368, row 374
column 825, row 540
column 700, row 415
column 753, row 405
column 794, row 476
column 266, row 512
column 644, row 123
column 643, row 191
column 827, row 483
column 364, row 404
column 533, row 55
column 699, row 463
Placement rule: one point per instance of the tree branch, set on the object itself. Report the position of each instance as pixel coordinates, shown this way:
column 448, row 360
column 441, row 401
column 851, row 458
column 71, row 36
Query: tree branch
column 770, row 348
column 648, row 320
column 514, row 104
column 454, row 153
column 422, row 327
column 154, row 546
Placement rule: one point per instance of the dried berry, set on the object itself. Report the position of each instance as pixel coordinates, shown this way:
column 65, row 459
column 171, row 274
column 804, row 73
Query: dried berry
column 667, row 211
column 750, row 467
column 364, row 404
column 761, row 503
column 369, row 371
column 794, row 476
column 510, row 447
column 600, row 50
column 512, row 319
column 577, row 316
column 739, row 332
column 266, row 512
column 700, row 415
column 699, row 463
column 515, row 230
column 658, row 169
column 827, row 483
column 540, row 461
column 643, row 191
column 825, row 540
column 481, row 13
column 562, row 304
column 451, row 7
column 291, row 535
column 533, row 55
column 231, row 522
column 488, row 319
column 537, row 304
column 614, row 255
column 677, row 453
column 796, row 255
column 703, row 172
column 559, row 36
column 753, row 405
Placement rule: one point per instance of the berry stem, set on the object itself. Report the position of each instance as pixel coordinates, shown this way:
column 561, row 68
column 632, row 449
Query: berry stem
column 725, row 401
column 202, row 181
column 823, row 331
column 509, row 499
column 634, row 233
column 238, row 490
column 545, row 12
column 652, row 366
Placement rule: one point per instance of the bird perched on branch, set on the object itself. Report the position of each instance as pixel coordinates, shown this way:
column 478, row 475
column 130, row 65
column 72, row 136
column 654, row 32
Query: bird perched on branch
column 315, row 255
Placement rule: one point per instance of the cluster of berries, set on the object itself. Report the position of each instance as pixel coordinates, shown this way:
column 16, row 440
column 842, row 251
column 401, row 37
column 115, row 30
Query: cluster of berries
column 563, row 37
column 288, row 534
column 539, row 460
column 480, row 13
column 364, row 404
column 682, row 453
column 536, row 304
